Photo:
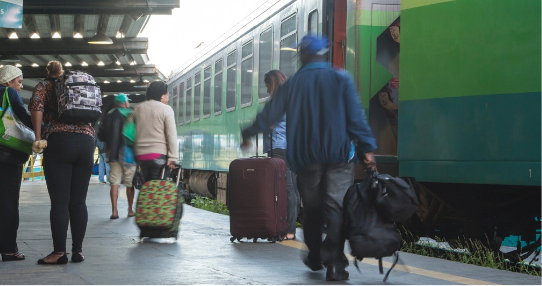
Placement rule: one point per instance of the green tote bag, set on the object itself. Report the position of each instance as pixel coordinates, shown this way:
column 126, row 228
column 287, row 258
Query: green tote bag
column 13, row 133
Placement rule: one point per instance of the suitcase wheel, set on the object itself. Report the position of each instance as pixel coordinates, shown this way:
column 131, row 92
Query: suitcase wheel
column 273, row 240
column 232, row 239
column 255, row 240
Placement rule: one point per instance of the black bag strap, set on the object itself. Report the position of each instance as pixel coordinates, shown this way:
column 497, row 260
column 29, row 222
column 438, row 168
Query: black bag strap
column 396, row 254
column 271, row 141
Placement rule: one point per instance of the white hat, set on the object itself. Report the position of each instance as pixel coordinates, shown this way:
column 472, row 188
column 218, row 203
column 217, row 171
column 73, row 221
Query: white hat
column 9, row 73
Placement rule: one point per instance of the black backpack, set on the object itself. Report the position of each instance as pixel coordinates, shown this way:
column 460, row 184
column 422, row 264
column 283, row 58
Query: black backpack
column 369, row 232
column 396, row 198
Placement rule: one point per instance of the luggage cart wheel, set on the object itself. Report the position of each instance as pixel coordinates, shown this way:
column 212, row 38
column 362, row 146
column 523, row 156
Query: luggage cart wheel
column 273, row 240
column 232, row 239
column 255, row 240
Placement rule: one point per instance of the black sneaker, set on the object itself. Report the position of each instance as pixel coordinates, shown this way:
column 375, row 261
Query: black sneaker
column 314, row 266
column 332, row 275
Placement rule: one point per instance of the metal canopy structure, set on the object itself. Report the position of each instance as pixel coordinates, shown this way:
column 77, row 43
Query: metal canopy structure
column 60, row 30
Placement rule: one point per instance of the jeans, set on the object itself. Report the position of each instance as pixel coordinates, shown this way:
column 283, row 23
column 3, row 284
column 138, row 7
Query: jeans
column 291, row 191
column 103, row 169
column 10, row 176
column 322, row 188
column 67, row 163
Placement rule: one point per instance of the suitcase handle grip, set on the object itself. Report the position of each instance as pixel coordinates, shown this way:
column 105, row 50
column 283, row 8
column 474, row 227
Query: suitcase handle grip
column 163, row 172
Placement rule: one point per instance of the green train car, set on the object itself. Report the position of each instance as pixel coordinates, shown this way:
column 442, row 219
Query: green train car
column 452, row 89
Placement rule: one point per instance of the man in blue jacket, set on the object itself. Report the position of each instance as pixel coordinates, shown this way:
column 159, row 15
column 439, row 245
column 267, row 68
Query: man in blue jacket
column 323, row 116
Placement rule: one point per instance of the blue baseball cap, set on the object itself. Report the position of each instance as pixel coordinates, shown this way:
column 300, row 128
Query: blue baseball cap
column 121, row 98
column 313, row 45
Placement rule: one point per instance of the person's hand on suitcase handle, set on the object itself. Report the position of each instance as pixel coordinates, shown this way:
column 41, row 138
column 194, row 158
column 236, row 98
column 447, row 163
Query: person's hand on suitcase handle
column 171, row 164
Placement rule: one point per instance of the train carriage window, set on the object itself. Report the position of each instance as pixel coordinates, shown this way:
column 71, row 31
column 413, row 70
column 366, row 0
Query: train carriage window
column 288, row 60
column 173, row 99
column 266, row 61
column 207, row 93
column 218, row 87
column 181, row 105
column 313, row 22
column 231, row 81
column 197, row 96
column 288, row 26
column 246, row 74
column 188, row 106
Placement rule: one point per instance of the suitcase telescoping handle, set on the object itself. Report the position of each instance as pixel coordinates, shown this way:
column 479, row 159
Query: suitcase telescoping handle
column 163, row 172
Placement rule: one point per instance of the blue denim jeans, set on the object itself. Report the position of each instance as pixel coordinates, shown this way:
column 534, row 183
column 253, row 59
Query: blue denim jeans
column 292, row 193
column 103, row 169
column 322, row 188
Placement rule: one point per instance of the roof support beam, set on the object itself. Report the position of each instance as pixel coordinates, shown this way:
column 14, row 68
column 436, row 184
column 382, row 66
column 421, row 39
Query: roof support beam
column 96, row 71
column 72, row 46
column 94, row 7
column 125, row 87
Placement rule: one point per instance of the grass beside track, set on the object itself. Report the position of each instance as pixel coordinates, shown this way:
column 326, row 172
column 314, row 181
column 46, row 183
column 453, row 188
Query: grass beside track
column 473, row 252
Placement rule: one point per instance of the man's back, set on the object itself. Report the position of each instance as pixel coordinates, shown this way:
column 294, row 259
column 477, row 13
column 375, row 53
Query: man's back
column 324, row 115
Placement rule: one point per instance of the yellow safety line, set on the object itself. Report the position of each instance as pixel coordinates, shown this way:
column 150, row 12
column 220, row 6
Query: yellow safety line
column 404, row 268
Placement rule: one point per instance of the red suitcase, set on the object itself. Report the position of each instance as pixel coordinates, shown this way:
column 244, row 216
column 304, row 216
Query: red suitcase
column 257, row 199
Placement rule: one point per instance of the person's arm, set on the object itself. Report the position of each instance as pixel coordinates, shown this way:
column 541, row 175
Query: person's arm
column 171, row 137
column 37, row 107
column 272, row 113
column 37, row 118
column 17, row 106
column 357, row 125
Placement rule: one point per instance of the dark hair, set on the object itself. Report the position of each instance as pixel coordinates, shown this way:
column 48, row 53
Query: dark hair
column 155, row 90
column 274, row 78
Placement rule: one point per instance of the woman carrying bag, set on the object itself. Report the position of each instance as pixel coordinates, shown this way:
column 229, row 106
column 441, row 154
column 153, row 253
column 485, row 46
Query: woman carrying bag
column 15, row 132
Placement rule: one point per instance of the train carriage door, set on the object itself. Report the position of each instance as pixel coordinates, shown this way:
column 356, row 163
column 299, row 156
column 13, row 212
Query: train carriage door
column 335, row 29
column 384, row 77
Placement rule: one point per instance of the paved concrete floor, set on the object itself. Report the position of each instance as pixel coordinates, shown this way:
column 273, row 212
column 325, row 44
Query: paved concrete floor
column 203, row 254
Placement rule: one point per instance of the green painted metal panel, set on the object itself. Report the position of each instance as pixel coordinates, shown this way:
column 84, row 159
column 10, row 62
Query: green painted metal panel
column 470, row 172
column 484, row 129
column 470, row 47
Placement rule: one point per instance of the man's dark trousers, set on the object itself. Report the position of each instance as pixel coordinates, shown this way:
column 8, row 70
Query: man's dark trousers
column 322, row 188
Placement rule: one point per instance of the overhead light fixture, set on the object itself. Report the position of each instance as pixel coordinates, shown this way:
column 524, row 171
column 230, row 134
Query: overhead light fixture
column 119, row 35
column 105, row 81
column 84, row 64
column 18, row 65
column 9, row 59
column 56, row 35
column 77, row 36
column 35, row 65
column 101, row 63
column 68, row 64
column 35, row 36
column 119, row 81
column 13, row 36
column 133, row 63
column 113, row 67
column 100, row 39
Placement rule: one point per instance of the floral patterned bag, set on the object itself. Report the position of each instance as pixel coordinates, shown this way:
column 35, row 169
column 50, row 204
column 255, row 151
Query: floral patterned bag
column 159, row 208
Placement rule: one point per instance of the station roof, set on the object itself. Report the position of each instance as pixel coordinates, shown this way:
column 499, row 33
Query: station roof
column 60, row 30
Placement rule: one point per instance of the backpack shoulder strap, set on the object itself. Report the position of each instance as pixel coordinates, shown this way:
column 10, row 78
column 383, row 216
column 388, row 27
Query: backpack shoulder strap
column 396, row 255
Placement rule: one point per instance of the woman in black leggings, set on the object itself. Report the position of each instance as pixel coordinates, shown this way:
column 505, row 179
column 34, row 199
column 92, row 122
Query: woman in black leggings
column 67, row 164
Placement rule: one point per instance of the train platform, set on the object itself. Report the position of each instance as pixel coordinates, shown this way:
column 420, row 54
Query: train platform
column 203, row 254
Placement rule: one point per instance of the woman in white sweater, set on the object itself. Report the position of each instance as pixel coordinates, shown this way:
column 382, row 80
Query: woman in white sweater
column 156, row 133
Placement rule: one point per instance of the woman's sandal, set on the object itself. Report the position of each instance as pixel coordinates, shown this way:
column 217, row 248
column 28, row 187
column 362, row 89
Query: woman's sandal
column 287, row 238
column 77, row 257
column 61, row 260
column 12, row 257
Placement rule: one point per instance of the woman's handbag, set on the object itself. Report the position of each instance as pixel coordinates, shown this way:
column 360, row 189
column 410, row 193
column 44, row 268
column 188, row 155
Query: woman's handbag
column 138, row 180
column 13, row 133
